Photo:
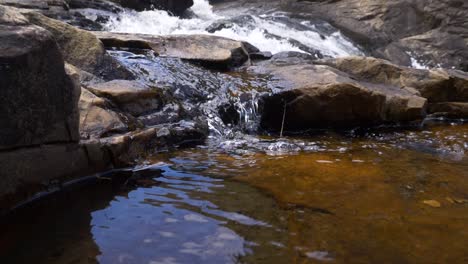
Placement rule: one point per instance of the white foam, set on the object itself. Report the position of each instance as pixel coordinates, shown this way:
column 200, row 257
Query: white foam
column 260, row 34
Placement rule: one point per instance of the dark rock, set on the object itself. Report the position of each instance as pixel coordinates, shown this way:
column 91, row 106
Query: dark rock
column 449, row 109
column 96, row 4
column 35, row 167
column 261, row 55
column 38, row 100
column 176, row 7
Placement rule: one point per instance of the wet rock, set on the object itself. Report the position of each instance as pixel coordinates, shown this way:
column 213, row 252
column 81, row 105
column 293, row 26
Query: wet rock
column 318, row 96
column 130, row 96
column 211, row 51
column 242, row 21
column 126, row 148
column 176, row 7
column 36, row 166
column 96, row 4
column 81, row 48
column 170, row 113
column 261, row 55
column 97, row 119
column 38, row 100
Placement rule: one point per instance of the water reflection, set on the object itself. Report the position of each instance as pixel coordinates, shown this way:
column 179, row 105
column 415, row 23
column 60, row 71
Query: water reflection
column 394, row 197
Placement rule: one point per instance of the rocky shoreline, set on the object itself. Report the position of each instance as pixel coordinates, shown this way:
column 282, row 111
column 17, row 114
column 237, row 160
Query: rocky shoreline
column 69, row 109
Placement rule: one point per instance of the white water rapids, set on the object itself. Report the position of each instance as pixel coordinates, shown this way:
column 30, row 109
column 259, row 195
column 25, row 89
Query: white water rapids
column 273, row 32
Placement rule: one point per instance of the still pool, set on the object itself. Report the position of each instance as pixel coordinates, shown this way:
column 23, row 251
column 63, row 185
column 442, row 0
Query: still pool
column 387, row 197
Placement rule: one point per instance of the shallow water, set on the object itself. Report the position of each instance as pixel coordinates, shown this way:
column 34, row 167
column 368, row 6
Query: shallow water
column 367, row 197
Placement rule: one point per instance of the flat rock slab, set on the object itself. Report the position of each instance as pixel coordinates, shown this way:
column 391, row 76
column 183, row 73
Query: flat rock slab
column 131, row 96
column 211, row 51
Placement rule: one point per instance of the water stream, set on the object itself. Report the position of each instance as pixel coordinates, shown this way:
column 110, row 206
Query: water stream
column 384, row 195
column 270, row 30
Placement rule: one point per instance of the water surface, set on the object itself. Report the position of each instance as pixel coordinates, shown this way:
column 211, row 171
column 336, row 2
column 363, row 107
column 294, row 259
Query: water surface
column 368, row 197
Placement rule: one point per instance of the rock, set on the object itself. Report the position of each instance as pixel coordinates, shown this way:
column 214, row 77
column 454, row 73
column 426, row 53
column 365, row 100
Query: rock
column 170, row 113
column 242, row 21
column 31, row 4
column 130, row 96
column 436, row 85
column 449, row 109
column 97, row 119
column 126, row 148
column 432, row 31
column 12, row 17
column 210, row 51
column 25, row 169
column 81, row 48
column 318, row 96
column 38, row 100
column 176, row 7
column 96, row 4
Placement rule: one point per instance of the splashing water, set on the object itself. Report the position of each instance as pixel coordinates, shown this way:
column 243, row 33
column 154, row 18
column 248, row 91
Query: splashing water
column 273, row 32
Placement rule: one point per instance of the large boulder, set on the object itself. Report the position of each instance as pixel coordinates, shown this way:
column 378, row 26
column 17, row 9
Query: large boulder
column 434, row 32
column 176, row 7
column 307, row 96
column 210, row 51
column 38, row 100
column 318, row 96
column 81, row 48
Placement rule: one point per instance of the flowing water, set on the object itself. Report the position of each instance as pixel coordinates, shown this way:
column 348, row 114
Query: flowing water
column 387, row 195
column 270, row 30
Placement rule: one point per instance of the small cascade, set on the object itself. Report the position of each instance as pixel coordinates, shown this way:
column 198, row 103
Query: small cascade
column 229, row 101
column 273, row 31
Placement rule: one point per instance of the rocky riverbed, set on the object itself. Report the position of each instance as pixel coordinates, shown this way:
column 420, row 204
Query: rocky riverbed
column 92, row 86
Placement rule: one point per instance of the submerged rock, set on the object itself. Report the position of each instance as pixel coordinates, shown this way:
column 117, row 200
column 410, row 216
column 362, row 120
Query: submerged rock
column 211, row 51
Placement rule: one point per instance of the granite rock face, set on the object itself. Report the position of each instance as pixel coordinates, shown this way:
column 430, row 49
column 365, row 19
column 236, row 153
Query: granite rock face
column 38, row 99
